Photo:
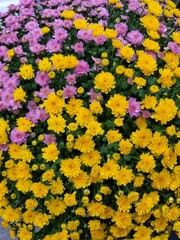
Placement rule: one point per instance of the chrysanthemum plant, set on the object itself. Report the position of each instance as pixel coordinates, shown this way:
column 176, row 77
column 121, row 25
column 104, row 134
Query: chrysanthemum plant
column 89, row 119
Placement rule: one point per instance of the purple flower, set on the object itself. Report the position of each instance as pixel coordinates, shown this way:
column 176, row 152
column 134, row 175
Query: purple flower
column 85, row 35
column 173, row 46
column 94, row 96
column 162, row 28
column 134, row 107
column 134, row 5
column 53, row 46
column 121, row 28
column 18, row 137
column 78, row 47
column 100, row 40
column 71, row 78
column 43, row 93
column 82, row 68
column 49, row 138
column 69, row 91
column 146, row 114
column 42, row 79
column 60, row 34
column 135, row 37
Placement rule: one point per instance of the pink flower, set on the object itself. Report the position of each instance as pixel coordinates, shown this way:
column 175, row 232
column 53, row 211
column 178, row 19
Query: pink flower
column 78, row 47
column 49, row 138
column 42, row 79
column 134, row 107
column 43, row 93
column 71, row 78
column 82, row 68
column 94, row 96
column 85, row 35
column 69, row 91
column 121, row 28
column 18, row 137
column 146, row 114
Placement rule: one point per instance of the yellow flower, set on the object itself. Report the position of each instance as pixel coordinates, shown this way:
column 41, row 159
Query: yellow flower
column 19, row 94
column 171, row 60
column 141, row 138
column 109, row 169
column 70, row 167
column 57, row 186
column 145, row 205
column 124, row 176
column 45, row 30
column 105, row 62
column 138, row 181
column 58, row 61
column 149, row 102
column 48, row 175
column 95, row 107
column 23, row 185
column 113, row 1
column 160, row 180
column 70, row 199
column 10, row 53
column 96, row 28
column 159, row 224
column 150, row 22
column 80, row 211
column 125, row 147
column 159, row 144
column 27, row 71
column 141, row 82
column 110, row 33
column 44, row 65
column 73, row 106
column 146, row 63
column 122, row 219
column 68, row 14
column 127, row 53
column 155, row 8
column 90, row 158
column 50, row 153
column 166, row 79
column 56, row 206
column 56, row 124
column 118, row 105
column 84, row 143
column 151, row 45
column 163, row 113
column 146, row 163
column 154, row 88
column 95, row 209
column 94, row 128
column 40, row 219
column 128, row 72
column 120, row 69
column 176, row 37
column 81, row 180
column 70, row 61
column 31, row 203
column 118, row 232
column 104, row 81
column 116, row 43
column 24, row 234
column 142, row 232
column 124, row 204
column 113, row 136
column 3, row 137
column 80, row 23
column 39, row 189
column 24, row 125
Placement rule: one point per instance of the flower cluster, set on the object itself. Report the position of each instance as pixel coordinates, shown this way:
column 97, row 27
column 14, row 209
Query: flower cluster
column 89, row 119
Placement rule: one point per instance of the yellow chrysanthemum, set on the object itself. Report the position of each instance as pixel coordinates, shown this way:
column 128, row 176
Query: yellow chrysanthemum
column 146, row 63
column 44, row 65
column 68, row 14
column 27, row 71
column 19, row 94
column 104, row 81
column 146, row 163
column 118, row 105
column 50, row 153
column 80, row 23
column 70, row 61
column 24, row 125
column 39, row 189
column 150, row 22
column 171, row 60
column 110, row 33
column 56, row 206
column 151, row 45
column 155, row 8
column 127, row 53
column 53, row 104
column 163, row 113
column 70, row 167
column 96, row 28
column 56, row 123
column 84, row 143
